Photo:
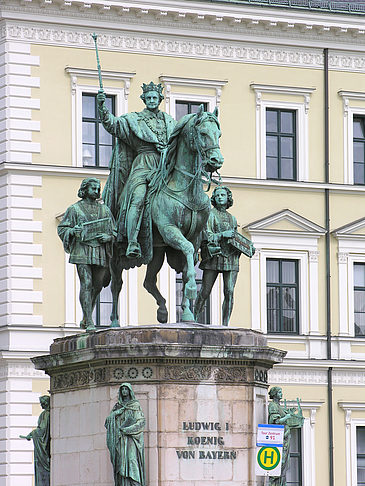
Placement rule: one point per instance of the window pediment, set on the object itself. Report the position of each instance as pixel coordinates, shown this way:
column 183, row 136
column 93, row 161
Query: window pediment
column 285, row 222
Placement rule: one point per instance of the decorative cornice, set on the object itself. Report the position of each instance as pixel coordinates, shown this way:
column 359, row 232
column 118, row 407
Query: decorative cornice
column 188, row 43
column 215, row 20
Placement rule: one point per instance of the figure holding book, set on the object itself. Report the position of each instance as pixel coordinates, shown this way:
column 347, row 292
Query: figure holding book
column 221, row 249
column 87, row 231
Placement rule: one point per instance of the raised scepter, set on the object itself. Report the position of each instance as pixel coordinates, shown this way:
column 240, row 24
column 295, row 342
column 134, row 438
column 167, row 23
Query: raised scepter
column 95, row 37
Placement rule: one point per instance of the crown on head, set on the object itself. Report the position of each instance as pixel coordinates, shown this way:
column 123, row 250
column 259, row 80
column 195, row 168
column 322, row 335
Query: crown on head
column 152, row 87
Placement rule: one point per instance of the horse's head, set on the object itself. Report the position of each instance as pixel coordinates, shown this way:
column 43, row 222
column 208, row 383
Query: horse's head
column 206, row 133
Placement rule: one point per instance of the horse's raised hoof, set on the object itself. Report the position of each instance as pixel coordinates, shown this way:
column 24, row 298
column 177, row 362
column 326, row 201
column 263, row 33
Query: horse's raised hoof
column 114, row 323
column 190, row 291
column 187, row 316
column 162, row 315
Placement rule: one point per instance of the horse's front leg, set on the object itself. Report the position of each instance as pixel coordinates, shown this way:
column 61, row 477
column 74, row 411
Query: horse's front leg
column 116, row 286
column 173, row 237
column 187, row 315
column 150, row 282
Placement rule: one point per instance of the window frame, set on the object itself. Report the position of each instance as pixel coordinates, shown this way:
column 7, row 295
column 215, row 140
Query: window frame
column 278, row 135
column 357, row 288
column 86, row 81
column 271, row 94
column 298, row 244
column 350, row 251
column 357, row 454
column 281, row 285
column 351, row 425
column 175, row 97
column 300, row 457
column 190, row 102
column 349, row 112
column 97, row 123
column 191, row 89
column 362, row 118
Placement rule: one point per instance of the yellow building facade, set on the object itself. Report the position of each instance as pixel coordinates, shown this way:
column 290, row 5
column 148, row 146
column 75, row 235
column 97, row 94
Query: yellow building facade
column 290, row 87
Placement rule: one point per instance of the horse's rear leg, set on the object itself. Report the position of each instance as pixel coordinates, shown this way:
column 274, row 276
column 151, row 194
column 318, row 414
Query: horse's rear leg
column 116, row 286
column 150, row 283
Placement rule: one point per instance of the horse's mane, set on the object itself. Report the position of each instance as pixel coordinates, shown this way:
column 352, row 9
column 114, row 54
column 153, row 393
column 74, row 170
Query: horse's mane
column 168, row 158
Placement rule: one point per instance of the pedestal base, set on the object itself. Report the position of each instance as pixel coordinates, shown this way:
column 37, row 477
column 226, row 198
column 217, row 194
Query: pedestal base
column 202, row 389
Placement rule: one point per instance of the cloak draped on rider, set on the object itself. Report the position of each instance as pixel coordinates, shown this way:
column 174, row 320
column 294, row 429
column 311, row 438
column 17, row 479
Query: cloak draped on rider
column 135, row 160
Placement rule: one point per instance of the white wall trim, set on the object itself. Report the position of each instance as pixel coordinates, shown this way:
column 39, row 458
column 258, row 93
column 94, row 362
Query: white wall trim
column 301, row 245
column 79, row 85
column 348, row 123
column 172, row 83
column 350, row 438
column 350, row 251
column 308, row 440
column 301, row 109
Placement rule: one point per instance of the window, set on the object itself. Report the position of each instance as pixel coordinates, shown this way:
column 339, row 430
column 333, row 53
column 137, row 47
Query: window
column 205, row 315
column 85, row 82
column 294, row 473
column 184, row 95
column 360, row 449
column 103, row 307
column 186, row 107
column 288, row 157
column 97, row 143
column 281, row 144
column 359, row 150
column 359, row 299
column 282, row 296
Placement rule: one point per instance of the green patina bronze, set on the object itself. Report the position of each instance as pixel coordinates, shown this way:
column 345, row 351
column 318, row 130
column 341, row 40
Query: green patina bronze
column 124, row 438
column 220, row 251
column 141, row 139
column 291, row 418
column 87, row 231
column 155, row 191
column 41, row 440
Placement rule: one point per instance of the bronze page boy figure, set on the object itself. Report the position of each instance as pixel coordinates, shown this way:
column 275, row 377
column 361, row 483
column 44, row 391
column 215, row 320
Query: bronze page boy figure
column 87, row 231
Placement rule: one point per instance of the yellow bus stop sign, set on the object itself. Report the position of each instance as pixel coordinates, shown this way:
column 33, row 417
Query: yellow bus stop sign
column 268, row 458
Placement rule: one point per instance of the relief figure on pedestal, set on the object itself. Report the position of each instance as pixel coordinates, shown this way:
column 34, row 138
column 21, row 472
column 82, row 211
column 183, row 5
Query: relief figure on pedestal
column 125, row 425
column 291, row 418
column 41, row 440
column 87, row 231
column 220, row 252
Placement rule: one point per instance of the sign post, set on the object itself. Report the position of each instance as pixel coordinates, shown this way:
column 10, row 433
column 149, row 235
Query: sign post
column 269, row 449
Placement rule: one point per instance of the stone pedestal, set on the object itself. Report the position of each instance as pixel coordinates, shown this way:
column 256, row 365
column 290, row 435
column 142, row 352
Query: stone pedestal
column 202, row 389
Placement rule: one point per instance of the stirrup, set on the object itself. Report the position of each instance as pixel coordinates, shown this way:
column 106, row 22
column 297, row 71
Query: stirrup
column 133, row 250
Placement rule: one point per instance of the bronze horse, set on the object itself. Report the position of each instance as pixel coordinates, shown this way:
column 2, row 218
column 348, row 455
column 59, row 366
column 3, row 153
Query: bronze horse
column 179, row 209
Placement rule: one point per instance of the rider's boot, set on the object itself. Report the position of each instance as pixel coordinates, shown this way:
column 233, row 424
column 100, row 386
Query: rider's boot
column 133, row 250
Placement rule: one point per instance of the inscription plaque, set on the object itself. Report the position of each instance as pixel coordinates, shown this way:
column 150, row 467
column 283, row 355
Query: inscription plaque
column 206, row 440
